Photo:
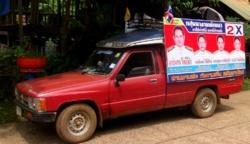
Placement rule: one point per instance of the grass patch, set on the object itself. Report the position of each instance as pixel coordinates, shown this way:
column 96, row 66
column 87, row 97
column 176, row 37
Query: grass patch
column 246, row 85
column 7, row 111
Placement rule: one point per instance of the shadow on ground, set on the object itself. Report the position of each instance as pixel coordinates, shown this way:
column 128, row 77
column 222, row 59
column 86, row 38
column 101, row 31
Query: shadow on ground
column 46, row 133
column 152, row 118
column 35, row 133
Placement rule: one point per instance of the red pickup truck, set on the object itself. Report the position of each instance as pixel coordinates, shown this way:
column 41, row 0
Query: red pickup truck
column 127, row 74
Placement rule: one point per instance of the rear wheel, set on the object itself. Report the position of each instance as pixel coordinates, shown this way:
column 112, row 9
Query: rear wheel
column 205, row 103
column 76, row 123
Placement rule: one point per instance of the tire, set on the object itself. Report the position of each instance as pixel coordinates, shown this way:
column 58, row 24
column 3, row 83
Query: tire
column 205, row 103
column 76, row 123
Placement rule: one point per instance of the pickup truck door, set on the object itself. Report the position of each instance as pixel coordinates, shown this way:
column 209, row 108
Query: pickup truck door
column 143, row 88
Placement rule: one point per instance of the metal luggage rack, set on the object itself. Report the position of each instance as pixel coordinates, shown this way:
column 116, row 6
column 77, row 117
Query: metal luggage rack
column 144, row 24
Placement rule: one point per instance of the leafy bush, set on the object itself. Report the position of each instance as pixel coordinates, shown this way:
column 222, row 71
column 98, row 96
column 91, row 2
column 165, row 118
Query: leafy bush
column 7, row 62
column 58, row 63
column 7, row 111
column 246, row 85
column 22, row 51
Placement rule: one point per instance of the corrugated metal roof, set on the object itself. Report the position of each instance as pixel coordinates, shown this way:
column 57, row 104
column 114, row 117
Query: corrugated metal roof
column 242, row 7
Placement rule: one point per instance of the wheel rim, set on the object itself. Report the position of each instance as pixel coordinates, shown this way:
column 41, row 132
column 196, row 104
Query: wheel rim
column 206, row 103
column 78, row 123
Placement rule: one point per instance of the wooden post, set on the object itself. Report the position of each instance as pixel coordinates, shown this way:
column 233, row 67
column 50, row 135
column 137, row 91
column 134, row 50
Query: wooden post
column 64, row 28
column 114, row 12
column 34, row 11
column 77, row 8
column 20, row 19
column 11, row 14
column 59, row 12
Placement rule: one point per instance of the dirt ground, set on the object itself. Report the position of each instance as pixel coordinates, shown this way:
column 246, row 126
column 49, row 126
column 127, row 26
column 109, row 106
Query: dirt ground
column 229, row 125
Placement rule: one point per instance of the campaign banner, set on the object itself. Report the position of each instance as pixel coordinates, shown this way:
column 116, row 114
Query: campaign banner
column 203, row 49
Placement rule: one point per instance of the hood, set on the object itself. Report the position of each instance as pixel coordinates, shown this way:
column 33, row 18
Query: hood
column 58, row 82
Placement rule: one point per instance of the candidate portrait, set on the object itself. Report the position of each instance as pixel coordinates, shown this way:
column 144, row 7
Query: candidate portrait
column 237, row 54
column 179, row 51
column 202, row 54
column 220, row 54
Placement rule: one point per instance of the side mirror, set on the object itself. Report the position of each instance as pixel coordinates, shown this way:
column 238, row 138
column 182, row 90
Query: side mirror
column 118, row 78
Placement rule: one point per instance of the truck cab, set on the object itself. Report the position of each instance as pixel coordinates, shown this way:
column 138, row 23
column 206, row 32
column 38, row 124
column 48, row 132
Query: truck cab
column 125, row 75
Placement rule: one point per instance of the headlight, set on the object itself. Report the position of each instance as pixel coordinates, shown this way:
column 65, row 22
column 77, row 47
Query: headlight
column 17, row 94
column 37, row 104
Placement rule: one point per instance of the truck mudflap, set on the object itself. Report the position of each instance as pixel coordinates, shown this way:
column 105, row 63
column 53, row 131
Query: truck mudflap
column 41, row 117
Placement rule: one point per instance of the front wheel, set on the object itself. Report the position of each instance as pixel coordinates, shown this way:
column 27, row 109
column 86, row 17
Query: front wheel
column 76, row 123
column 205, row 103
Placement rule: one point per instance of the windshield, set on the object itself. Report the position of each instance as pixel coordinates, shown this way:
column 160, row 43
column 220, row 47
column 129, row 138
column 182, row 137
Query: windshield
column 102, row 61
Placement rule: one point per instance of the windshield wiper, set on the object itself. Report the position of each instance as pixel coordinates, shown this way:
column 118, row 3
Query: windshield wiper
column 95, row 72
column 82, row 69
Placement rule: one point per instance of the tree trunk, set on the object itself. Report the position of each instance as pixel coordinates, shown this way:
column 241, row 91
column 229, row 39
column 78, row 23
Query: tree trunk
column 77, row 3
column 34, row 11
column 59, row 12
column 20, row 19
column 64, row 29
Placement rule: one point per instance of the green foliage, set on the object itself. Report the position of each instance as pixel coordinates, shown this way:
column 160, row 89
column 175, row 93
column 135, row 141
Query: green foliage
column 58, row 63
column 247, row 30
column 48, row 6
column 184, row 4
column 182, row 7
column 22, row 51
column 214, row 3
column 6, row 56
column 7, row 111
column 246, row 85
column 25, row 49
column 19, row 51
column 103, row 15
column 7, row 62
column 76, row 24
column 232, row 19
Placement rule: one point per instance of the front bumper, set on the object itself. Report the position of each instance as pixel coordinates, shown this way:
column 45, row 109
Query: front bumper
column 26, row 112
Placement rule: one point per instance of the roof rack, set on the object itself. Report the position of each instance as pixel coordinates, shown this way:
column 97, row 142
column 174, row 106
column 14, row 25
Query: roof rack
column 144, row 23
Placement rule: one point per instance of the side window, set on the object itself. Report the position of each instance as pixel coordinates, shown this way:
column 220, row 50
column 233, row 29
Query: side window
column 138, row 64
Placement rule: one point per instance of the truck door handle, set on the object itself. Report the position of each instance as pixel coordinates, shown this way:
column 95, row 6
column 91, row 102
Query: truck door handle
column 153, row 80
column 231, row 79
